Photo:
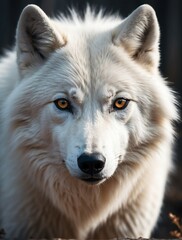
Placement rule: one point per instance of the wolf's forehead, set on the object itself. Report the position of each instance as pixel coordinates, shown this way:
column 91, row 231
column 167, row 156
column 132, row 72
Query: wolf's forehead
column 83, row 65
column 89, row 64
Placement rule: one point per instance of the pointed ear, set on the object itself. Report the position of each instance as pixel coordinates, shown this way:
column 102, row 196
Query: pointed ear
column 36, row 38
column 139, row 35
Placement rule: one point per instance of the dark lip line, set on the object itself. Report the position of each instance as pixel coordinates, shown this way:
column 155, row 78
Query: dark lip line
column 92, row 179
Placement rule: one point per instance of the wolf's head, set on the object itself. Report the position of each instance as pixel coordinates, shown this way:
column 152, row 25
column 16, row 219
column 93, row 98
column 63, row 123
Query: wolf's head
column 90, row 94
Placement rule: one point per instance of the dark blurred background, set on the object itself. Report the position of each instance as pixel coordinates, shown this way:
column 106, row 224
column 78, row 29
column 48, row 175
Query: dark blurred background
column 170, row 19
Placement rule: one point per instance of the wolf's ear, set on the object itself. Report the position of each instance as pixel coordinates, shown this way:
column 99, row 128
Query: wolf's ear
column 139, row 35
column 36, row 38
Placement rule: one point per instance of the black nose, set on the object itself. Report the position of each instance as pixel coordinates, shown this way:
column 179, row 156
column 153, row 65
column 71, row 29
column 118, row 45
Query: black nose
column 91, row 163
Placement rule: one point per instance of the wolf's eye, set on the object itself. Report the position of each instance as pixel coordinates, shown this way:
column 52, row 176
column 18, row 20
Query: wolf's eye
column 62, row 104
column 120, row 103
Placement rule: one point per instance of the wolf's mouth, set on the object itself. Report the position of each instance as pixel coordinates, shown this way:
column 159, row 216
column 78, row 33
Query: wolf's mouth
column 93, row 180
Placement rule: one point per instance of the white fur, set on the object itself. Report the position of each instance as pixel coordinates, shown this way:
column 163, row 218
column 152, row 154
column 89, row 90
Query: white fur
column 91, row 62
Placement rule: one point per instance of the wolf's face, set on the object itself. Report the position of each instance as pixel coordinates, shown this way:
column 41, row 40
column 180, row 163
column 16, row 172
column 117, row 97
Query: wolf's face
column 81, row 121
column 87, row 97
column 89, row 115
column 84, row 121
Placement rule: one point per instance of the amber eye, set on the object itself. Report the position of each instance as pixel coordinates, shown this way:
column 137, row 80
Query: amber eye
column 120, row 103
column 62, row 104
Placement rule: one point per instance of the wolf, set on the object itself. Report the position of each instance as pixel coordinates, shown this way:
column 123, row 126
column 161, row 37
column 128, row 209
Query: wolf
column 86, row 123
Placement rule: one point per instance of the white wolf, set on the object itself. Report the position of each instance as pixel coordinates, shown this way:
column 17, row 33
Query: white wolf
column 86, row 127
